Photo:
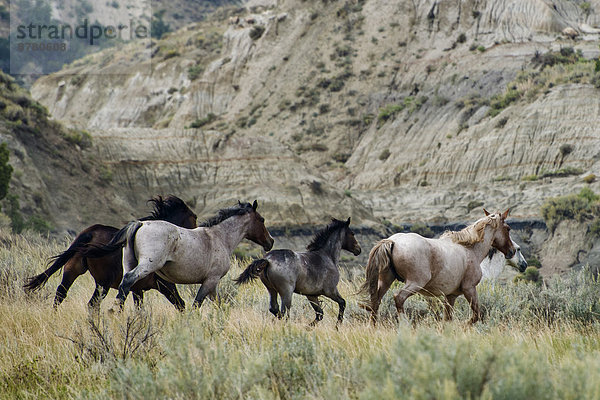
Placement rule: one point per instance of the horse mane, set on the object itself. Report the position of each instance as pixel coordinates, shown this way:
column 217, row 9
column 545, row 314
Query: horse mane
column 225, row 213
column 473, row 233
column 163, row 208
column 321, row 237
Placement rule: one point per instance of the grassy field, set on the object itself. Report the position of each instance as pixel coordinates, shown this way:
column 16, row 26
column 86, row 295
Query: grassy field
column 535, row 342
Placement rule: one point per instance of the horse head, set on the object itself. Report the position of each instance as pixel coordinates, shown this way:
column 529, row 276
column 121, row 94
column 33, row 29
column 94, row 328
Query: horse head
column 502, row 240
column 349, row 242
column 257, row 232
column 173, row 210
column 517, row 261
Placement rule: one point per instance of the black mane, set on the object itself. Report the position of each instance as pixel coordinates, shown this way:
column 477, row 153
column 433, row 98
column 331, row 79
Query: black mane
column 322, row 236
column 223, row 214
column 165, row 208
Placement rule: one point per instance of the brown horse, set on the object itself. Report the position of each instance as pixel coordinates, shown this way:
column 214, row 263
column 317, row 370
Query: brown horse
column 448, row 266
column 107, row 270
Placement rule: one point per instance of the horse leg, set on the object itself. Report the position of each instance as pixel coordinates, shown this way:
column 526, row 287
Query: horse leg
column 408, row 290
column 143, row 269
column 335, row 296
column 385, row 280
column 169, row 290
column 73, row 269
column 471, row 296
column 316, row 305
column 273, row 304
column 286, row 303
column 208, row 288
column 449, row 306
column 99, row 294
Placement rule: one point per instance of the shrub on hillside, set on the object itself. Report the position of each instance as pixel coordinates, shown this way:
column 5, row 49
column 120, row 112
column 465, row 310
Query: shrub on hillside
column 573, row 206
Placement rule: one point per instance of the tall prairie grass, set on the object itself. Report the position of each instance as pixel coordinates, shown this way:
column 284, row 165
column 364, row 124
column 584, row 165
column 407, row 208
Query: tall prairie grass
column 534, row 342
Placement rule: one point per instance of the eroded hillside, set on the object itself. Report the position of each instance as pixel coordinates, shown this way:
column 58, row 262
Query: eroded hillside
column 406, row 111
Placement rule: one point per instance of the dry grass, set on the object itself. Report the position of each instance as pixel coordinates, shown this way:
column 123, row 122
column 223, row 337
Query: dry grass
column 238, row 350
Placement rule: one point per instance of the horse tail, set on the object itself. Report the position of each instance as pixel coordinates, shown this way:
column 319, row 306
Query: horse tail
column 122, row 237
column 58, row 261
column 252, row 272
column 380, row 259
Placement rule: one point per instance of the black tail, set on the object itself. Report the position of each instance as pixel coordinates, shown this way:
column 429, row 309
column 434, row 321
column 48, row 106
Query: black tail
column 117, row 242
column 252, row 272
column 58, row 261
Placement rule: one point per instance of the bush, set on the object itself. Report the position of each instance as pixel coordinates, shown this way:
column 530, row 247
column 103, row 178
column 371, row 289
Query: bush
column 531, row 275
column 574, row 206
column 384, row 155
column 6, row 170
column 590, row 178
column 389, row 111
column 501, row 101
column 203, row 121
column 422, row 229
column 195, row 71
column 257, row 32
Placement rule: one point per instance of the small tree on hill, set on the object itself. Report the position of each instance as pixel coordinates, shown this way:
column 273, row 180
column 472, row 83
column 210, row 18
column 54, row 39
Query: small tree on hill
column 5, row 170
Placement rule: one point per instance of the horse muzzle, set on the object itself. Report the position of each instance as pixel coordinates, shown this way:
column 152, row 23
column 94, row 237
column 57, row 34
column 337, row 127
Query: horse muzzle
column 522, row 265
column 356, row 251
column 269, row 245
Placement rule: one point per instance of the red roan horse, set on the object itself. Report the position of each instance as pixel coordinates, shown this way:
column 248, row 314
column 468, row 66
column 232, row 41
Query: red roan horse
column 107, row 271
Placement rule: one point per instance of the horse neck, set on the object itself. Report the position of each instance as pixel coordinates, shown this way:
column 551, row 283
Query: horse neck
column 333, row 246
column 481, row 249
column 232, row 231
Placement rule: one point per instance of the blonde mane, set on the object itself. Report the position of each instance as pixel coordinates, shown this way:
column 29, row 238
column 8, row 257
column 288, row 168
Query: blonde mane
column 473, row 233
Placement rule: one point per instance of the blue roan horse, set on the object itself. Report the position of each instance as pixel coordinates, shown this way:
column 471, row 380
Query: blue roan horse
column 311, row 273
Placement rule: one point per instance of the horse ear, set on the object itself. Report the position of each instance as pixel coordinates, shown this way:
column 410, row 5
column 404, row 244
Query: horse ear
column 505, row 214
column 239, row 203
column 348, row 222
column 254, row 205
column 486, row 213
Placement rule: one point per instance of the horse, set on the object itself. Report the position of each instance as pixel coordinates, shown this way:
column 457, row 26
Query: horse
column 311, row 273
column 187, row 256
column 448, row 266
column 493, row 264
column 107, row 270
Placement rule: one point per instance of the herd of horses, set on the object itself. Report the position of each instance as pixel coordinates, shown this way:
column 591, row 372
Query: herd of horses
column 168, row 247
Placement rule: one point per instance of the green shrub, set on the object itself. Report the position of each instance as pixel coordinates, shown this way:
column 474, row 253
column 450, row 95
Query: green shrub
column 6, row 170
column 12, row 208
column 501, row 101
column 422, row 229
column 573, row 206
column 389, row 111
column 195, row 71
column 474, row 204
column 594, row 228
column 210, row 117
column 257, row 32
column 559, row 173
column 531, row 275
column 590, row 178
column 384, row 155
column 566, row 55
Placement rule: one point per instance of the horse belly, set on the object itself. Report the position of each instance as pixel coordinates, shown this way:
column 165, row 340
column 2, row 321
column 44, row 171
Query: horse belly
column 445, row 282
column 186, row 273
